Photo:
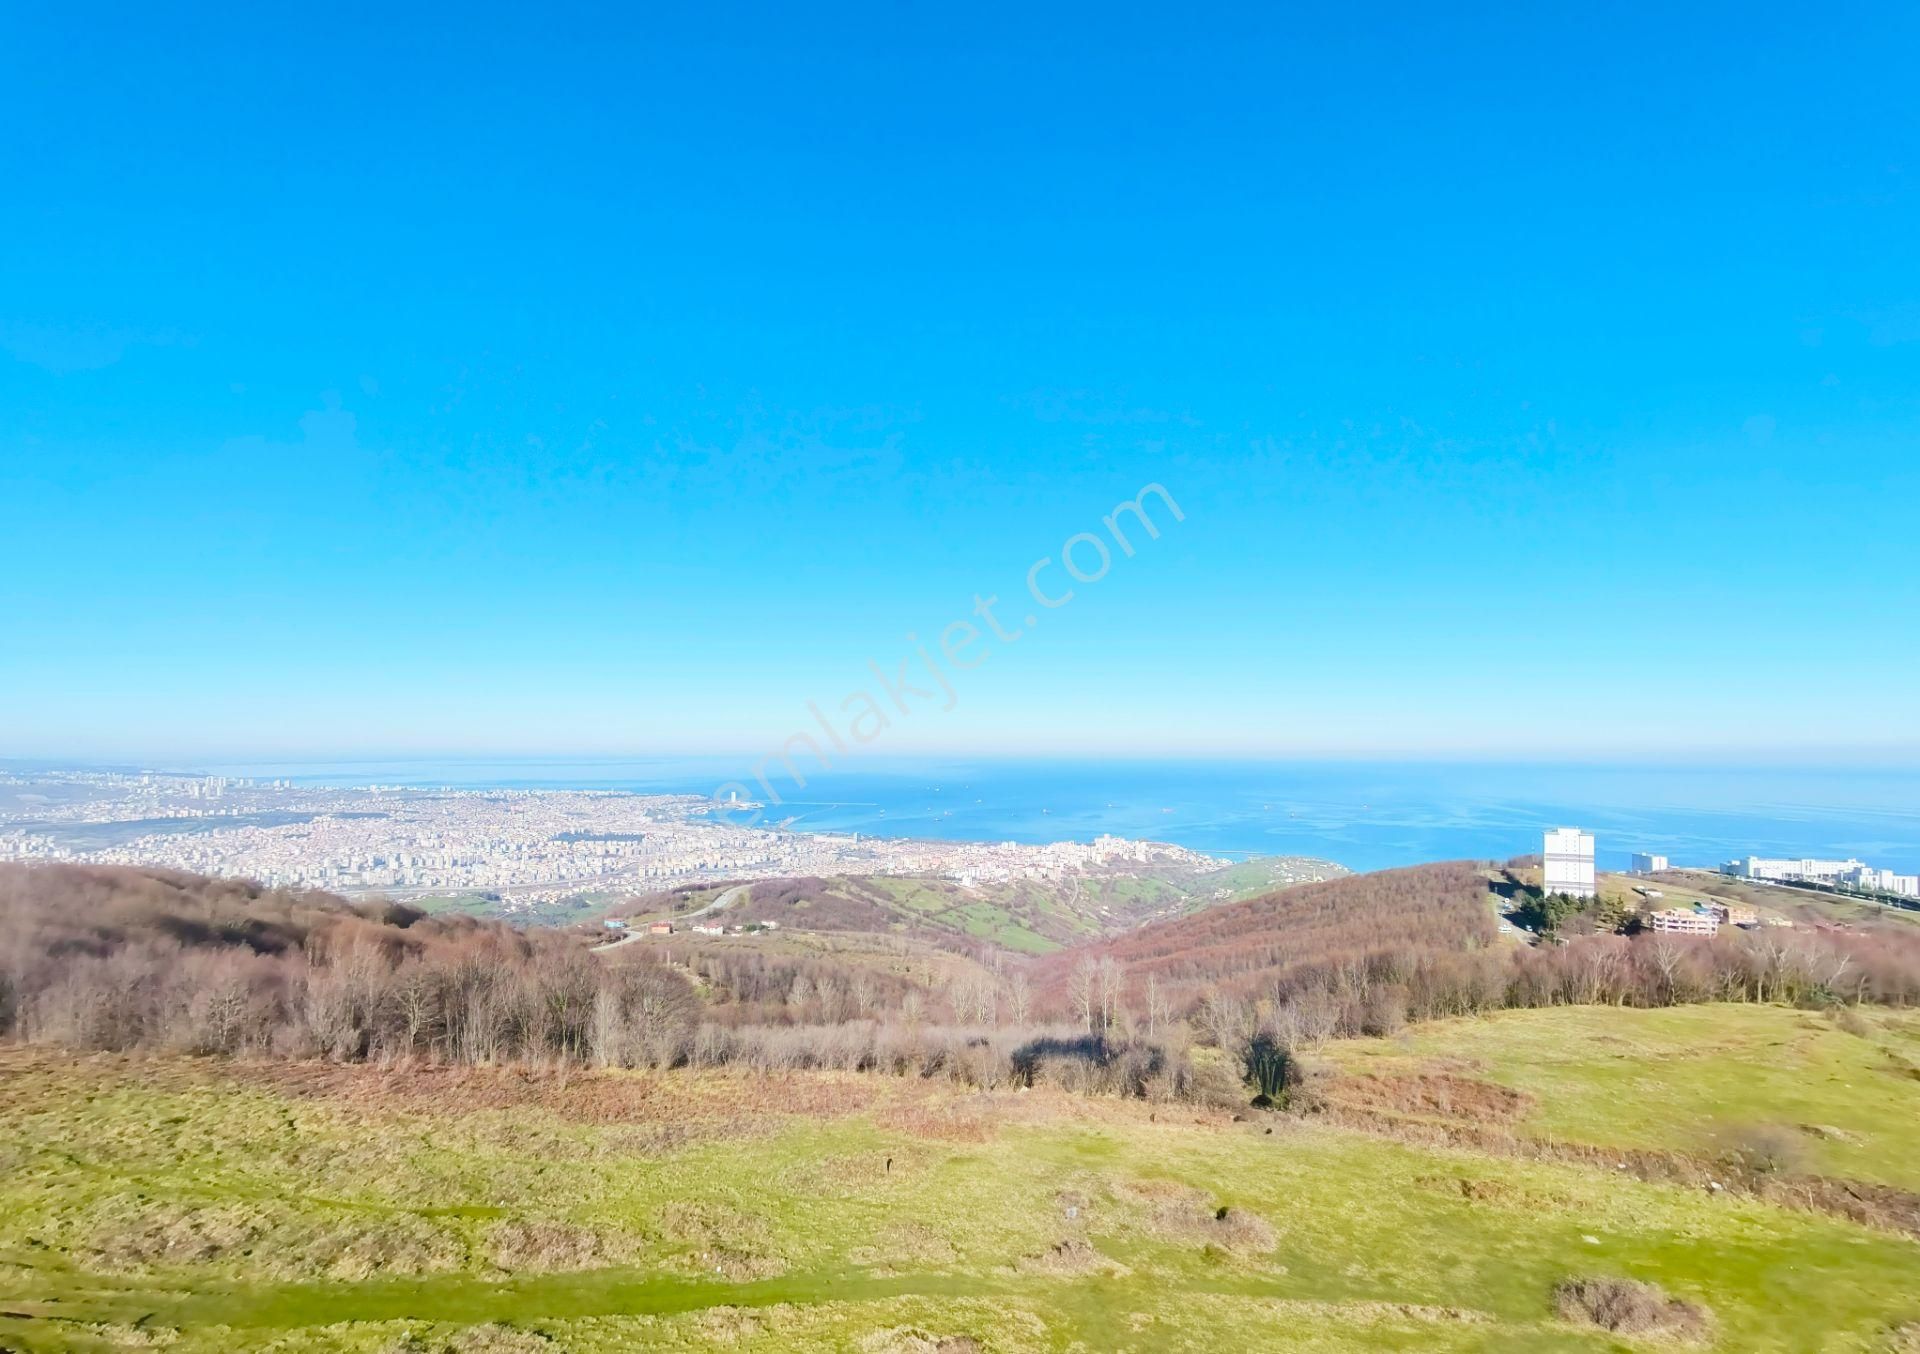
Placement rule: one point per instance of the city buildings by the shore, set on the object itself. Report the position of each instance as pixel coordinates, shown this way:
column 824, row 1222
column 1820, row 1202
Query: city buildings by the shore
column 525, row 846
column 1850, row 873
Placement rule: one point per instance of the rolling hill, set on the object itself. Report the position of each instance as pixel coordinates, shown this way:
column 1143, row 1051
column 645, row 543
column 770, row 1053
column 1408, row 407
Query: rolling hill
column 1026, row 916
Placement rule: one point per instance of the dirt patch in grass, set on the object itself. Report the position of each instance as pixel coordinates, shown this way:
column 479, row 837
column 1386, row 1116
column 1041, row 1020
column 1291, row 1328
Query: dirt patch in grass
column 1069, row 1257
column 909, row 1340
column 1190, row 1217
column 1427, row 1095
column 118, row 1335
column 1628, row 1307
column 1375, row 1313
column 1904, row 1338
column 1882, row 1206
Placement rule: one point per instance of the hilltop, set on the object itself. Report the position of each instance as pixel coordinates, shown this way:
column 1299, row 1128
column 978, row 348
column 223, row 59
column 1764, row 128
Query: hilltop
column 1032, row 916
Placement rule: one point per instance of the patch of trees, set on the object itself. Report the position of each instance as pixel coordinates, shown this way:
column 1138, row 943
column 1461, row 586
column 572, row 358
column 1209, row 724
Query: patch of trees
column 1559, row 914
column 749, row 987
column 110, row 958
column 1389, row 921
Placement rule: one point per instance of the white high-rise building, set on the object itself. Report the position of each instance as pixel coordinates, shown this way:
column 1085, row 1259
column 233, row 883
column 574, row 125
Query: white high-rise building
column 1568, row 857
column 1643, row 863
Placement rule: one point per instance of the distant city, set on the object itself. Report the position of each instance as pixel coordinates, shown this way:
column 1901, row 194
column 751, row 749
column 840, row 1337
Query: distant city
column 526, row 846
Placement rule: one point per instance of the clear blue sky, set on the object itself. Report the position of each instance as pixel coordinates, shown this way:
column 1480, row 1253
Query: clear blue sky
column 516, row 381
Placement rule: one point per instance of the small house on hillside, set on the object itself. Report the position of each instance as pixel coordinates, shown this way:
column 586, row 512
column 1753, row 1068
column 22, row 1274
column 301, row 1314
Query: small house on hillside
column 660, row 928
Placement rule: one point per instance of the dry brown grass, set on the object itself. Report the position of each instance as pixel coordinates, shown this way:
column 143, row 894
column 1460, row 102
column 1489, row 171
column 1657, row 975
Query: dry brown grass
column 174, row 1234
column 693, row 1102
column 943, row 1122
column 910, row 1340
column 718, row 1097
column 1431, row 1095
column 1069, row 1257
column 721, row 1240
column 1187, row 1216
column 177, row 1234
column 1882, row 1206
column 1765, row 1149
column 1904, row 1339
column 903, row 1247
column 536, row 1246
column 1500, row 1193
column 489, row 1338
column 1628, row 1307
column 653, row 1112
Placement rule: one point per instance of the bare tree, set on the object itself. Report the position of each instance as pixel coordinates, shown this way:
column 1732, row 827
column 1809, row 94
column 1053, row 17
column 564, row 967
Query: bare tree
column 1019, row 997
column 1159, row 1007
column 1080, row 988
column 1111, row 978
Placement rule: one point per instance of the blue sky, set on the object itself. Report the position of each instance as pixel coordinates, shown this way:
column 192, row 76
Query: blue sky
column 603, row 382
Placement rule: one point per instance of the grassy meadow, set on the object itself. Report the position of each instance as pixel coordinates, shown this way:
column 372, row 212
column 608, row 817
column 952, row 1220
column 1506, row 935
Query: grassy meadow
column 1690, row 1078
column 156, row 1202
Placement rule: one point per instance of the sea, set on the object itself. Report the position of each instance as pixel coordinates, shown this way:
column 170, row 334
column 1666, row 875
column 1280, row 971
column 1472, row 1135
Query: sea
column 1365, row 815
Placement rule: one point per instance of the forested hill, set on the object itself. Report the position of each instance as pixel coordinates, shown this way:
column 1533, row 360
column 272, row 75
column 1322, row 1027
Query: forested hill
column 1391, row 921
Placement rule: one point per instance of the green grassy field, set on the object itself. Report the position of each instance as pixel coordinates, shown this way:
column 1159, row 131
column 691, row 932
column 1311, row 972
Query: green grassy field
column 199, row 1206
column 1691, row 1078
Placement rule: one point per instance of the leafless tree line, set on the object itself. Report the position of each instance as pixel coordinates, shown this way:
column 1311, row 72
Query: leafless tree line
column 145, row 959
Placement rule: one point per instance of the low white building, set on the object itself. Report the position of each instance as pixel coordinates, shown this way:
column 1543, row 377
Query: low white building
column 1886, row 881
column 1803, row 871
column 1567, row 858
column 1648, row 864
column 1685, row 921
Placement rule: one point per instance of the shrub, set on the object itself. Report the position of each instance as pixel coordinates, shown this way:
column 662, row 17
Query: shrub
column 1765, row 1149
column 1852, row 1022
column 1628, row 1307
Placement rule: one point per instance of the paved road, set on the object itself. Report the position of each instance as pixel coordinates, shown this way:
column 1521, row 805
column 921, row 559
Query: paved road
column 724, row 901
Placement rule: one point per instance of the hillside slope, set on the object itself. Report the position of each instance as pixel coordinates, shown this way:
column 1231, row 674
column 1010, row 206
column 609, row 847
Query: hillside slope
column 1031, row 916
column 1396, row 918
column 309, row 1208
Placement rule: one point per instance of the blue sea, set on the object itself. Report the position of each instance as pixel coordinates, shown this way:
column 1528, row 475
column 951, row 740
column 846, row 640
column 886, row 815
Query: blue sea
column 1366, row 815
